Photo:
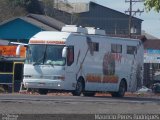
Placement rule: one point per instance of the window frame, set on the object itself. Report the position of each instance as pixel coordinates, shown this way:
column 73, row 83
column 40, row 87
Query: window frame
column 95, row 46
column 115, row 48
column 69, row 63
column 131, row 51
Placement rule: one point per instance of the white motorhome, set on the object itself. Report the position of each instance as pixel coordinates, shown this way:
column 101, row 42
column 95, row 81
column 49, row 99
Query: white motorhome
column 83, row 60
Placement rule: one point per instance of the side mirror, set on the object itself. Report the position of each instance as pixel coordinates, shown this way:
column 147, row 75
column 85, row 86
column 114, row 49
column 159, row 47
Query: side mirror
column 64, row 52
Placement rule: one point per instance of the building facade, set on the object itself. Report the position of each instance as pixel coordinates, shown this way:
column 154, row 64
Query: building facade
column 151, row 61
column 98, row 16
column 21, row 29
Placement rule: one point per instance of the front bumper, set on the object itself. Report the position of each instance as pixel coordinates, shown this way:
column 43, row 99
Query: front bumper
column 44, row 84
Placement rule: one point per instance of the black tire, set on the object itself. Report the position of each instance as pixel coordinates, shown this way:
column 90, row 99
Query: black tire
column 89, row 94
column 42, row 91
column 121, row 91
column 79, row 88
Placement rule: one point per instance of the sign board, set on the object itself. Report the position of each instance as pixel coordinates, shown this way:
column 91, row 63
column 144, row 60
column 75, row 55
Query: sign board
column 10, row 51
column 151, row 56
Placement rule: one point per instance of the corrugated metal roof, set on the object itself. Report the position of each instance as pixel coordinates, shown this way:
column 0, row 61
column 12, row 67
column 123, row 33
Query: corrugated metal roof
column 37, row 23
column 48, row 21
column 94, row 3
column 41, row 21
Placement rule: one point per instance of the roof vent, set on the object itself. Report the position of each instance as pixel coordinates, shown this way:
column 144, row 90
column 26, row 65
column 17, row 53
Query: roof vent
column 92, row 30
column 73, row 28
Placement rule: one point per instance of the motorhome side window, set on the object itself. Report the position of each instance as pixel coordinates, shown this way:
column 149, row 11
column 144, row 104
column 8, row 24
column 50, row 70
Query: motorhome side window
column 70, row 55
column 116, row 48
column 95, row 46
column 131, row 50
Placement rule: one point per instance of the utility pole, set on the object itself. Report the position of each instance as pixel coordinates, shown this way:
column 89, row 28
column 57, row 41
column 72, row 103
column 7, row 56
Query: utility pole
column 132, row 13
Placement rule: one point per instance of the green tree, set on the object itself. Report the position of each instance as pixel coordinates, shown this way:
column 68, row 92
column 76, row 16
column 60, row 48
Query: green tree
column 152, row 4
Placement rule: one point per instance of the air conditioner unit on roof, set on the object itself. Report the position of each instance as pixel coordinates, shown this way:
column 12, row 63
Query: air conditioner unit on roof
column 92, row 30
column 73, row 28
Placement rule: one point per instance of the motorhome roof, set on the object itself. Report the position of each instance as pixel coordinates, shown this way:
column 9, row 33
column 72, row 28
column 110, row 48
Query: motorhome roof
column 50, row 35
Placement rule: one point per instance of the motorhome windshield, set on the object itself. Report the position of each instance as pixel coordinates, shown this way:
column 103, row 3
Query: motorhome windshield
column 45, row 54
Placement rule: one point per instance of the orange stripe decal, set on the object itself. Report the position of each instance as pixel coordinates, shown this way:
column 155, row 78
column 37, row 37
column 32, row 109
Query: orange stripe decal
column 98, row 79
column 110, row 79
column 93, row 78
column 47, row 42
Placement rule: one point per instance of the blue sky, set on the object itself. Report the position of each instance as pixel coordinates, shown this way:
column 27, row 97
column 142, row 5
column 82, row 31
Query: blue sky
column 151, row 23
